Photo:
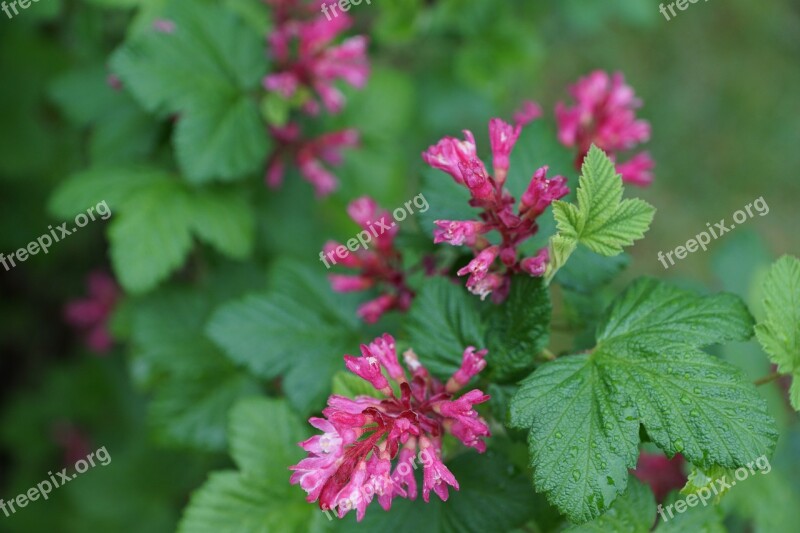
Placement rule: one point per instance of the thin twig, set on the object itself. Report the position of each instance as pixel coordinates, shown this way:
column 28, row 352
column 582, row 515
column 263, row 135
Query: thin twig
column 766, row 379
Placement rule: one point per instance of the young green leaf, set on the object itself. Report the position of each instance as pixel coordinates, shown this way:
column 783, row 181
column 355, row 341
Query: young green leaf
column 584, row 411
column 779, row 332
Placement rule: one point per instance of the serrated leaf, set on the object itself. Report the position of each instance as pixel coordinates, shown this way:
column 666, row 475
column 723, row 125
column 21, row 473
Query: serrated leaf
column 519, row 329
column 151, row 237
column 601, row 220
column 442, row 322
column 221, row 137
column 225, row 220
column 263, row 436
column 193, row 384
column 632, row 512
column 204, row 70
column 779, row 332
column 299, row 330
column 584, row 411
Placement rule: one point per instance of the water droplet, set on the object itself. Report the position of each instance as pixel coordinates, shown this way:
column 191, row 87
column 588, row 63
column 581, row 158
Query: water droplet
column 678, row 445
column 576, row 474
column 558, row 435
column 685, row 399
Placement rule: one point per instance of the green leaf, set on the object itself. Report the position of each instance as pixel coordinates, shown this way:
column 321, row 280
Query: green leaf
column 632, row 512
column 210, row 54
column 699, row 518
column 584, row 411
column 602, row 221
column 154, row 219
column 193, row 384
column 258, row 498
column 263, row 436
column 779, row 332
column 589, row 271
column 493, row 496
column 299, row 330
column 112, row 184
column 442, row 322
column 221, row 137
column 519, row 329
column 151, row 237
column 350, row 386
column 225, row 220
column 205, row 70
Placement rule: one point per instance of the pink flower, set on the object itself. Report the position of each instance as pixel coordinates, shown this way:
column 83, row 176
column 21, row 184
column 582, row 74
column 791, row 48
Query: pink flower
column 317, row 63
column 451, row 155
column 604, row 114
column 503, row 137
column 497, row 205
column 379, row 262
column 471, row 364
column 479, row 267
column 350, row 463
column 457, row 232
column 435, row 476
column 308, row 155
column 536, row 265
column 527, row 113
column 542, row 192
column 638, row 170
column 90, row 315
column 662, row 474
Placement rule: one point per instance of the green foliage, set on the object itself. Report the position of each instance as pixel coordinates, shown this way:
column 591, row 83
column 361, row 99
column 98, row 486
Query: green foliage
column 298, row 330
column 602, row 221
column 779, row 332
column 632, row 512
column 520, row 329
column 584, row 411
column 256, row 498
column 204, row 71
column 442, row 322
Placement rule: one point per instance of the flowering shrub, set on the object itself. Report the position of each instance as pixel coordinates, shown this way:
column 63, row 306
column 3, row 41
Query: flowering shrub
column 281, row 347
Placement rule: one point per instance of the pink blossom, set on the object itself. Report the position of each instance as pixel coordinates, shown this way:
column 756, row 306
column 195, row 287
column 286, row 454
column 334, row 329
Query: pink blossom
column 90, row 315
column 604, row 114
column 317, row 64
column 638, row 170
column 472, row 363
column 497, row 205
column 662, row 474
column 350, row 463
column 457, row 232
column 479, row 266
column 379, row 265
column 503, row 137
column 542, row 192
column 527, row 113
column 435, row 476
column 308, row 155
column 536, row 265
column 451, row 154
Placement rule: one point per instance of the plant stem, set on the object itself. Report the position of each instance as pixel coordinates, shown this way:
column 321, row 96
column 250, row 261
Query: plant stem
column 766, row 379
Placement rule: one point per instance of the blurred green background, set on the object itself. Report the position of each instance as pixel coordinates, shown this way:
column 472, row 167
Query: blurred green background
column 720, row 86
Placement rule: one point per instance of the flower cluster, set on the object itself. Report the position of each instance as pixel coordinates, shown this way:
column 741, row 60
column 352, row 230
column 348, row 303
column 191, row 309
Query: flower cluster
column 459, row 159
column 379, row 267
column 307, row 66
column 350, row 463
column 90, row 315
column 308, row 155
column 604, row 114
